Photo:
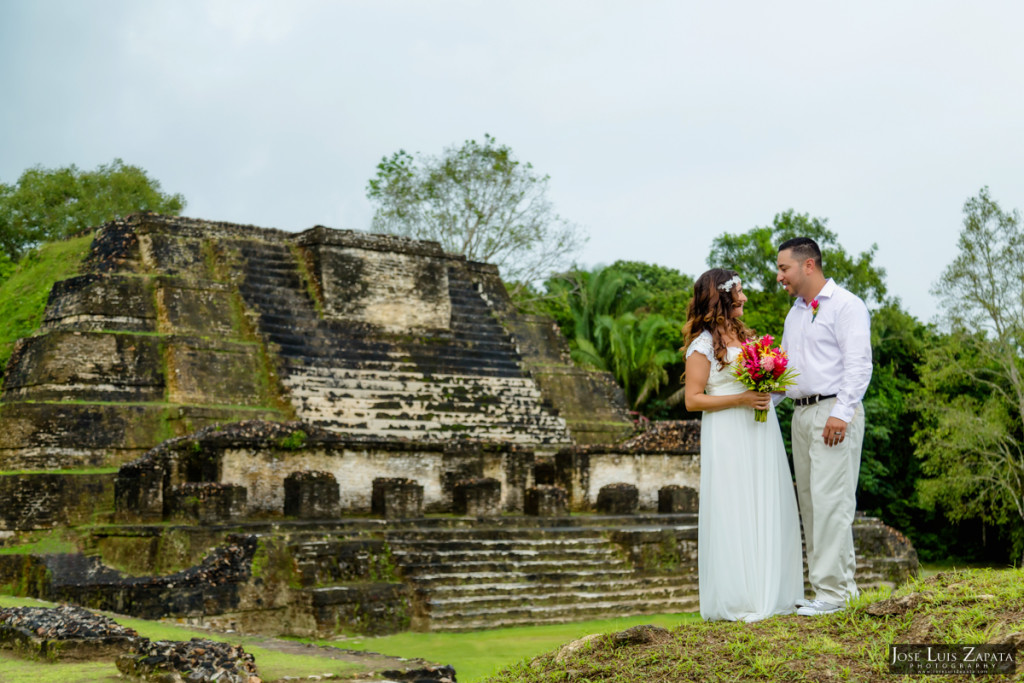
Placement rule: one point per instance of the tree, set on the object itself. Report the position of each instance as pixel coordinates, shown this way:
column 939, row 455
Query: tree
column 636, row 350
column 476, row 200
column 754, row 255
column 972, row 398
column 52, row 204
column 668, row 291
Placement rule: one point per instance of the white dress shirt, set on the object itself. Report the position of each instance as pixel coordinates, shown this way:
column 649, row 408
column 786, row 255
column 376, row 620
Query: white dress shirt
column 832, row 350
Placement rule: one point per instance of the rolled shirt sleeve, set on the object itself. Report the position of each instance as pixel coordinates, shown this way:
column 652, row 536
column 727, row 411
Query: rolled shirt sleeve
column 854, row 341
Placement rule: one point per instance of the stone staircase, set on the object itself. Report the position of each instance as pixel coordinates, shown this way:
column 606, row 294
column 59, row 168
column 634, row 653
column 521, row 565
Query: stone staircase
column 349, row 377
column 497, row 573
column 480, row 578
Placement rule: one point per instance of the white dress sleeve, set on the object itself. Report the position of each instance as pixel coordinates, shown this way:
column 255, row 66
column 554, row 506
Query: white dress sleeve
column 702, row 344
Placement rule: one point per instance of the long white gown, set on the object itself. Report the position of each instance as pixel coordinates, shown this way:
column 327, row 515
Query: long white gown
column 749, row 562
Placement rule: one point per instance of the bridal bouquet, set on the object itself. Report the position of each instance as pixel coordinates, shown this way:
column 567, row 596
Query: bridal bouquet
column 763, row 367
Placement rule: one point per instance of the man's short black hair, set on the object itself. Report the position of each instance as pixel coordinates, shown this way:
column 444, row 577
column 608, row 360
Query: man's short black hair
column 803, row 248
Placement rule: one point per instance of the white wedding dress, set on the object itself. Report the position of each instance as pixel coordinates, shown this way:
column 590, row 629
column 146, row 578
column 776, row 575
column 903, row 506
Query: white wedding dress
column 750, row 563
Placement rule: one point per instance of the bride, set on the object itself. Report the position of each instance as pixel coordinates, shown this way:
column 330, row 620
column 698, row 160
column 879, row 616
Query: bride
column 748, row 540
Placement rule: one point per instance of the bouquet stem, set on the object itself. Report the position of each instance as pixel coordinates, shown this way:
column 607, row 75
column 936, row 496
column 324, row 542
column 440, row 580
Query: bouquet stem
column 760, row 415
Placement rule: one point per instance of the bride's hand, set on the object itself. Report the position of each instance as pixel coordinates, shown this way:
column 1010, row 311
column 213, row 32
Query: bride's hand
column 758, row 400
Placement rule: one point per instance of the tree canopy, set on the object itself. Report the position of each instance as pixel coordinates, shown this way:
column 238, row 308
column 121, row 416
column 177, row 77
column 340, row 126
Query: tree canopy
column 479, row 201
column 971, row 437
column 754, row 255
column 46, row 204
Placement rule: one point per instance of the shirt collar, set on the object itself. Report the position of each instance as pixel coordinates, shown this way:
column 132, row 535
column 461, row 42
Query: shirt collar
column 826, row 292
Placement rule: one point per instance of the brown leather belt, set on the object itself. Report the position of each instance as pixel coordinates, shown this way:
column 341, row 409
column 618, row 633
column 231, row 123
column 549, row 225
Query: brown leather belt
column 811, row 400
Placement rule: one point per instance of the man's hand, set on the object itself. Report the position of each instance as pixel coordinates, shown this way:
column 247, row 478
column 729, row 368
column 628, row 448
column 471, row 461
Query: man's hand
column 834, row 432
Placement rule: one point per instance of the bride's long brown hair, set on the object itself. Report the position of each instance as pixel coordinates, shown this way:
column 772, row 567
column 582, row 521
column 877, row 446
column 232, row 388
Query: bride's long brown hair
column 711, row 309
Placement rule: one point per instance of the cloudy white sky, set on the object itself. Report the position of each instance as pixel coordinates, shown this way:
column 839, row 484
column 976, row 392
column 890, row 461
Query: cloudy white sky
column 661, row 124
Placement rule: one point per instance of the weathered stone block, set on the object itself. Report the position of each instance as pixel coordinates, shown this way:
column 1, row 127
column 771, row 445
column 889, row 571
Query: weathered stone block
column 139, row 493
column 41, row 500
column 391, row 282
column 477, row 497
column 371, row 609
column 618, row 499
column 222, row 373
column 196, row 307
column 546, row 501
column 675, row 498
column 86, row 366
column 205, row 502
column 101, row 302
column 311, row 495
column 396, row 498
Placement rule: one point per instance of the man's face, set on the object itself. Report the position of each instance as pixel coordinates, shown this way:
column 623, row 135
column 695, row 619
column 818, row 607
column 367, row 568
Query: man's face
column 790, row 272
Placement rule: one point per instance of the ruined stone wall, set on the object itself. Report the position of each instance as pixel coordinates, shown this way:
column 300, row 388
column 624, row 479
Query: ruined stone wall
column 258, row 457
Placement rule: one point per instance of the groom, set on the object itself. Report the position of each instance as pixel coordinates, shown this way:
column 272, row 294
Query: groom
column 828, row 339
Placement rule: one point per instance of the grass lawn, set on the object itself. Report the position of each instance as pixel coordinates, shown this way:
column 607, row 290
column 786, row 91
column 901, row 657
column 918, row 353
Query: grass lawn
column 478, row 654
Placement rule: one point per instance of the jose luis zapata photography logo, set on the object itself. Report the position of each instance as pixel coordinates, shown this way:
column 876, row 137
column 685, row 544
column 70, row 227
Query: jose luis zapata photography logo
column 938, row 658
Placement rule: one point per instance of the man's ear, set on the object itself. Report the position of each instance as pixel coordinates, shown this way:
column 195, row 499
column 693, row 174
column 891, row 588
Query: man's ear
column 809, row 266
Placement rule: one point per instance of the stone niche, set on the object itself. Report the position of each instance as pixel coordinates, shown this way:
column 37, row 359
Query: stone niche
column 667, row 453
column 260, row 456
column 393, row 283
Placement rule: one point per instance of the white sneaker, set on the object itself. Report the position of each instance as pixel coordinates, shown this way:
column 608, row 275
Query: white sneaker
column 816, row 608
column 803, row 603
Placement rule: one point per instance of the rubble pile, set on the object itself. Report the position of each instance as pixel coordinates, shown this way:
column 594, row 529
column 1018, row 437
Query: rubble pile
column 196, row 661
column 666, row 436
column 64, row 632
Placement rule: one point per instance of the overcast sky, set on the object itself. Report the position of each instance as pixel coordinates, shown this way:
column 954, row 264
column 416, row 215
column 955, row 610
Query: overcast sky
column 661, row 124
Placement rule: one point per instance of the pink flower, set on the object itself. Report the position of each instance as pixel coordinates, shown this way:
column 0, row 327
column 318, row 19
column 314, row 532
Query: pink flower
column 814, row 309
column 768, row 364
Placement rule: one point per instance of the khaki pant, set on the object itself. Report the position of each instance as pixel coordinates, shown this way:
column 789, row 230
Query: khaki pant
column 826, row 488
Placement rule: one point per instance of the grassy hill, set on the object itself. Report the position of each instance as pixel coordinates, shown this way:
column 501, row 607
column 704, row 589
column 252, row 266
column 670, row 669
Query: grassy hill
column 24, row 294
column 957, row 607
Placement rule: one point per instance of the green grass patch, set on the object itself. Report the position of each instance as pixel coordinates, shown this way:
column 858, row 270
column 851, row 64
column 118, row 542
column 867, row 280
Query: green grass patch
column 956, row 607
column 48, row 542
column 24, row 294
column 84, row 470
column 478, row 654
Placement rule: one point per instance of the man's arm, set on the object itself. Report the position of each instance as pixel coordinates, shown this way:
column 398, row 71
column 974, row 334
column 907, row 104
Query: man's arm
column 853, row 331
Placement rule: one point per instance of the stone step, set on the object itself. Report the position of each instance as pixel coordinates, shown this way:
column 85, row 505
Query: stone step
column 346, row 350
column 469, row 556
column 320, row 400
column 358, row 383
column 428, row 369
column 430, row 581
column 513, row 564
column 434, row 543
column 517, row 432
column 355, row 391
column 538, row 596
column 504, row 618
column 283, row 279
column 356, row 346
column 471, row 417
column 455, row 422
column 386, row 380
column 405, row 368
column 453, row 593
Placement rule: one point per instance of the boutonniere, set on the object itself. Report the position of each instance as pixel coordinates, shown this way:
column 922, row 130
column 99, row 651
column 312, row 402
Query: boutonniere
column 814, row 309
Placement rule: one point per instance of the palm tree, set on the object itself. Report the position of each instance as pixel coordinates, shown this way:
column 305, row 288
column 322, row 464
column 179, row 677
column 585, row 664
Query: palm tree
column 635, row 350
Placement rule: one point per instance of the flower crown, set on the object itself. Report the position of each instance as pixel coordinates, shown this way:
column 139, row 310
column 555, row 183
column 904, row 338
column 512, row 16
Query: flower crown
column 730, row 283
